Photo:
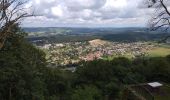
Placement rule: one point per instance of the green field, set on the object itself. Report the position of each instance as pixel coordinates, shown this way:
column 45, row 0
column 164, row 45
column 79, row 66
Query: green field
column 159, row 52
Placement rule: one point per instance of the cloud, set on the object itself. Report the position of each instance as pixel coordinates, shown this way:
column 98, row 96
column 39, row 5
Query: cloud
column 86, row 12
column 77, row 5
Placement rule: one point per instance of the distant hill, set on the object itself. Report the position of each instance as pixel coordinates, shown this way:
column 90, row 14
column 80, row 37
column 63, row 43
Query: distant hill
column 53, row 34
column 44, row 31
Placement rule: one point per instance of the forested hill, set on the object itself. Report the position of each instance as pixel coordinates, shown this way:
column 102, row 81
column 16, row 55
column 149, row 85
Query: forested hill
column 85, row 31
column 85, row 34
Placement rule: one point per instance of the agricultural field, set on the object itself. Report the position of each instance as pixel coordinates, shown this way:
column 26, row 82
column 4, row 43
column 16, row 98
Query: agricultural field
column 160, row 50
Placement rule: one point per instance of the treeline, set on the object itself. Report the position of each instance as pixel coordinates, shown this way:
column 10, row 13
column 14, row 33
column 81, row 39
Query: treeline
column 122, row 37
column 61, row 38
column 135, row 37
column 24, row 75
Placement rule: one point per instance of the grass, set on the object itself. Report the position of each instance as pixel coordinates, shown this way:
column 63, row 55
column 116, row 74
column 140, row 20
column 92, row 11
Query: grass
column 159, row 52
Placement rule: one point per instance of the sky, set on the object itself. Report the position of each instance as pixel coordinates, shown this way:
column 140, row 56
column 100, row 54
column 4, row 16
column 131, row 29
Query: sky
column 88, row 13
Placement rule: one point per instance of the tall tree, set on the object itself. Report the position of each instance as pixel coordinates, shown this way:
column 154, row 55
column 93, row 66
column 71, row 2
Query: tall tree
column 11, row 12
column 21, row 69
column 161, row 19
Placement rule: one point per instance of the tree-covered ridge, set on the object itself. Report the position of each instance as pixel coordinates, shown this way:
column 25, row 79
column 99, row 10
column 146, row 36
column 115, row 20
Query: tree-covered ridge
column 55, row 35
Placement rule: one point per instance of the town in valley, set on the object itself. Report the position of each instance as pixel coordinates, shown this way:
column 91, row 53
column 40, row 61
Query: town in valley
column 60, row 54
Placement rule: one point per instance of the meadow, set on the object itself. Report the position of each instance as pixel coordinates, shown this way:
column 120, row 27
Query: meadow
column 161, row 50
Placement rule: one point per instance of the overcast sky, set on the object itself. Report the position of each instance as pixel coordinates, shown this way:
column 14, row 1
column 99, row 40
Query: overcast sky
column 88, row 13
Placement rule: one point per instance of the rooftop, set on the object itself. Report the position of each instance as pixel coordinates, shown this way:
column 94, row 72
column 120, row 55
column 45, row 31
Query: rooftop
column 155, row 84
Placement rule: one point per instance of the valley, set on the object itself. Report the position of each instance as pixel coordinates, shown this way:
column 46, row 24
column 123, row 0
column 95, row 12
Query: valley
column 70, row 46
column 70, row 53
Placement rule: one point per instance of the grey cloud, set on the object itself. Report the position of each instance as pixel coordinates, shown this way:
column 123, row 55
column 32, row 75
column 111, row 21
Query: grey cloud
column 85, row 11
column 77, row 5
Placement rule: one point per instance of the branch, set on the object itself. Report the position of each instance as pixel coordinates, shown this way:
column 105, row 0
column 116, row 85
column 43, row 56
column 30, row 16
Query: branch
column 157, row 27
column 166, row 9
column 11, row 11
column 164, row 19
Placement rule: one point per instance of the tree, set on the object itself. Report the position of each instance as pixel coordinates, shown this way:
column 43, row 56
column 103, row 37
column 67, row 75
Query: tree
column 11, row 12
column 21, row 65
column 57, row 84
column 108, row 76
column 86, row 93
column 161, row 19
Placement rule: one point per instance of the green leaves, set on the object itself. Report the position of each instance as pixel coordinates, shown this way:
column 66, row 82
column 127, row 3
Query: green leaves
column 20, row 74
column 86, row 93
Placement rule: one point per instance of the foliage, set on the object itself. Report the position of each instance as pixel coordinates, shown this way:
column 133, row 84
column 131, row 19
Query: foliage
column 11, row 12
column 20, row 69
column 86, row 93
column 58, row 84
